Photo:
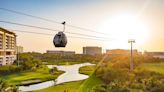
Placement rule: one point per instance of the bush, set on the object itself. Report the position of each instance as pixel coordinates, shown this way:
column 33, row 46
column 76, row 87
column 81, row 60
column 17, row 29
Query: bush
column 7, row 69
column 111, row 74
column 112, row 87
column 4, row 85
column 100, row 88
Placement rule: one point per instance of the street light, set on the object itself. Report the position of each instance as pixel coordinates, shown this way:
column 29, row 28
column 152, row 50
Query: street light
column 17, row 56
column 131, row 41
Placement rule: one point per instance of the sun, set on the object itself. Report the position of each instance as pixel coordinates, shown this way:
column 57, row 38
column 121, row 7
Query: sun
column 124, row 27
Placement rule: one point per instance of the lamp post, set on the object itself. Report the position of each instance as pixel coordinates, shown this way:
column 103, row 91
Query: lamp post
column 17, row 56
column 131, row 41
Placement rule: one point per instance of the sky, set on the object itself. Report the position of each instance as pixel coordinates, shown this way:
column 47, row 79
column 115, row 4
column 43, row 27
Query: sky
column 120, row 20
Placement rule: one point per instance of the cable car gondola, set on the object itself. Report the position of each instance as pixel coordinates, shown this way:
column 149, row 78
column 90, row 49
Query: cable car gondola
column 60, row 39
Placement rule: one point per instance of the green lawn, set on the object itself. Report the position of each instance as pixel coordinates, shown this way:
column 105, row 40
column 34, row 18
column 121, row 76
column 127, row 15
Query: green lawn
column 92, row 81
column 89, row 84
column 41, row 74
column 63, row 63
column 88, row 70
column 156, row 67
column 67, row 63
column 77, row 86
column 70, row 87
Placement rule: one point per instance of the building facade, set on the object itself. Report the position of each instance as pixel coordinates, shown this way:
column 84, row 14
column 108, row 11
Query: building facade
column 7, row 47
column 155, row 54
column 120, row 52
column 60, row 52
column 92, row 50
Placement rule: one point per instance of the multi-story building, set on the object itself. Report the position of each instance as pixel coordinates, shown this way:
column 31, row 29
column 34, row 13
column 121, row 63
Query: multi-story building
column 120, row 52
column 19, row 49
column 7, row 47
column 91, row 50
column 155, row 54
column 61, row 52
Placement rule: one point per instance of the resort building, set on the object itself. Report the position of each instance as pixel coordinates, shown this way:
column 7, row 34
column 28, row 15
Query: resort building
column 60, row 52
column 120, row 52
column 155, row 54
column 7, row 47
column 91, row 50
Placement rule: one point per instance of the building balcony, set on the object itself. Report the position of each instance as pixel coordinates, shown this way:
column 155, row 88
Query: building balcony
column 1, row 56
column 1, row 49
column 7, row 56
column 10, row 50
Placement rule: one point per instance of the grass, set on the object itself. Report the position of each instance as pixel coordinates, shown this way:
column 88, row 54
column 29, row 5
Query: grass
column 91, row 82
column 62, row 63
column 77, row 86
column 41, row 74
column 88, row 70
column 70, row 87
column 156, row 67
column 68, row 63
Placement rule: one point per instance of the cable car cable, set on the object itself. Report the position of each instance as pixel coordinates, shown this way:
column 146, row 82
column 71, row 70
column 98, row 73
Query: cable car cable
column 20, row 24
column 52, row 21
column 64, row 25
column 52, row 35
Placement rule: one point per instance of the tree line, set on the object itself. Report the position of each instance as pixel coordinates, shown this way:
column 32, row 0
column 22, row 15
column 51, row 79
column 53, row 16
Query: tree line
column 118, row 78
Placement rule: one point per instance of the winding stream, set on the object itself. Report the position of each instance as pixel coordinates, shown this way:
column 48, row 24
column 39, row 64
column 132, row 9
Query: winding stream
column 71, row 74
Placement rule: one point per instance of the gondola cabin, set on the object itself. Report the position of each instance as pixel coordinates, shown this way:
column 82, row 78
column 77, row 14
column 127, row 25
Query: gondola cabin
column 60, row 40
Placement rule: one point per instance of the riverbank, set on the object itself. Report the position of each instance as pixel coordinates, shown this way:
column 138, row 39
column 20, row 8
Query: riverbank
column 62, row 63
column 81, row 86
column 41, row 74
column 89, row 84
column 76, row 86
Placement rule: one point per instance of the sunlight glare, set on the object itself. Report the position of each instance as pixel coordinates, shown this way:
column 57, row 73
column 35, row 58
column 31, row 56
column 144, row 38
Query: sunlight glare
column 124, row 27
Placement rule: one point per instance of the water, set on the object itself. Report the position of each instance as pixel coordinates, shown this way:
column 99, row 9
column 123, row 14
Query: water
column 71, row 74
